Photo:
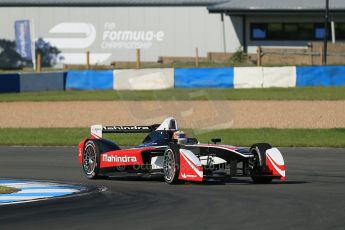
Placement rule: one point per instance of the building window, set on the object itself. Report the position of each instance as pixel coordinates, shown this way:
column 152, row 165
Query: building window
column 306, row 32
column 319, row 32
column 259, row 32
column 292, row 31
column 340, row 31
column 275, row 31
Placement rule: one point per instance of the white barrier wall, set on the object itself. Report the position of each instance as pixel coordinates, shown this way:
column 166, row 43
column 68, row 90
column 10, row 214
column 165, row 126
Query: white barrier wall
column 264, row 77
column 279, row 77
column 144, row 79
column 248, row 77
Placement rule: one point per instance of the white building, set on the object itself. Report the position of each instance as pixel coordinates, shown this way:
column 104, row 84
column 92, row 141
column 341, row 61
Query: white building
column 112, row 29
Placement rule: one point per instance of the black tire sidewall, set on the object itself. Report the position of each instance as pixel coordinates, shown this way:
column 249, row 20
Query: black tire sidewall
column 260, row 150
column 93, row 143
column 175, row 150
column 258, row 173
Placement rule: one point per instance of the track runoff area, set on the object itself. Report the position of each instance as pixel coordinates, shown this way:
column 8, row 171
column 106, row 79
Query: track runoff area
column 310, row 198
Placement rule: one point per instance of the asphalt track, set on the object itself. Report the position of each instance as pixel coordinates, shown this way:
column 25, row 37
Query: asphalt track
column 311, row 198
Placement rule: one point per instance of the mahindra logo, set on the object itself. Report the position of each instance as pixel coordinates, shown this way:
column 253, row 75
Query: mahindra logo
column 121, row 128
column 120, row 159
column 184, row 176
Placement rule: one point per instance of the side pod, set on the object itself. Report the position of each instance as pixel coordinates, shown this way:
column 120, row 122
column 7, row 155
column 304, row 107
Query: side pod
column 81, row 150
column 190, row 167
column 275, row 163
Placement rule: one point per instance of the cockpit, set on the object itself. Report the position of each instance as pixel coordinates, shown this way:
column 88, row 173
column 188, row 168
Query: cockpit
column 166, row 133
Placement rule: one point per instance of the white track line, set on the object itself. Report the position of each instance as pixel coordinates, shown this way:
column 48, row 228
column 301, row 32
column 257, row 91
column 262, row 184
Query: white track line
column 31, row 191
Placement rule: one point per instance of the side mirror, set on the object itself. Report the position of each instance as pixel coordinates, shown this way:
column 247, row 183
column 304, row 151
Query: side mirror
column 216, row 140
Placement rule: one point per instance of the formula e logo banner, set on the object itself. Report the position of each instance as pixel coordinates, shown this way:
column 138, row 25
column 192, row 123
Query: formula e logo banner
column 23, row 39
column 74, row 38
column 129, row 39
column 83, row 35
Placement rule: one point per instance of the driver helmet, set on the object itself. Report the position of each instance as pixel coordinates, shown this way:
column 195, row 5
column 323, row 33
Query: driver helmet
column 180, row 137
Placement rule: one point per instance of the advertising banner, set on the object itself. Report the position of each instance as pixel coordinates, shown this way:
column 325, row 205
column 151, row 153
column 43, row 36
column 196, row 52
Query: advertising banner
column 23, row 39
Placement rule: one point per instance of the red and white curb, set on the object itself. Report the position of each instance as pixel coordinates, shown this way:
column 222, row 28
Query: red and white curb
column 30, row 191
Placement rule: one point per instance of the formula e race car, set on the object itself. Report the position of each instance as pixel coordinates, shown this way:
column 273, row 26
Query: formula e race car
column 168, row 152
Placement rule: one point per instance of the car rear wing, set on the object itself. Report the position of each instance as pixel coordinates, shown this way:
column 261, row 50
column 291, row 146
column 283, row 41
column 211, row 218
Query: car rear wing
column 168, row 124
column 98, row 130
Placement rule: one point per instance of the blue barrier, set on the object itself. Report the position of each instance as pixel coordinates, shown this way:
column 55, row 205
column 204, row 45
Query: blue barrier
column 320, row 76
column 90, row 80
column 204, row 77
column 35, row 82
column 9, row 83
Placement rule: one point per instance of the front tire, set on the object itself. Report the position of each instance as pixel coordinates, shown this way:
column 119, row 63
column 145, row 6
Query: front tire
column 259, row 163
column 91, row 159
column 171, row 164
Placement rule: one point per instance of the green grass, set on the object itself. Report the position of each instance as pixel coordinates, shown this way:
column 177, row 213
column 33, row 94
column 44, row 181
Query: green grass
column 315, row 93
column 241, row 137
column 7, row 190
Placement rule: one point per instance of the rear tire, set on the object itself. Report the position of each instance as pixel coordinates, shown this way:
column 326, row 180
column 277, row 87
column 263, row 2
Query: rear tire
column 259, row 163
column 91, row 159
column 171, row 164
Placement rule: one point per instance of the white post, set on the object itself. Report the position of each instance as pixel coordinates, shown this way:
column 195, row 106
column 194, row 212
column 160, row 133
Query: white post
column 333, row 31
column 223, row 30
column 33, row 47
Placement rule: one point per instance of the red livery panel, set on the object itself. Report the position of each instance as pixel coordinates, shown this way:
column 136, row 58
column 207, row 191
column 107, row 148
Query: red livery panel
column 80, row 151
column 189, row 171
column 122, row 157
column 276, row 169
